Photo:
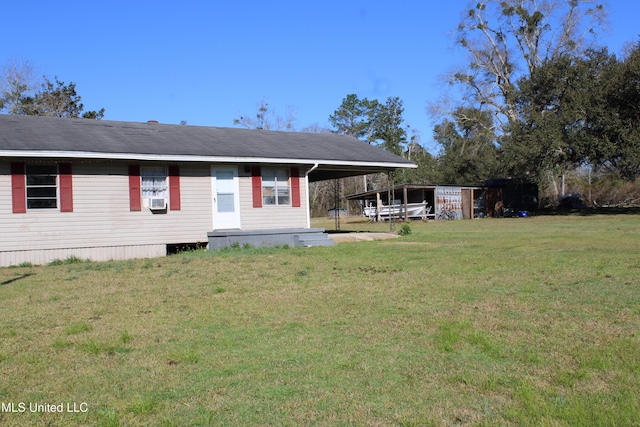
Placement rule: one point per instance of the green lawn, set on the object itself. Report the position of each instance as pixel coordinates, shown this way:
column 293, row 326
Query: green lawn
column 530, row 321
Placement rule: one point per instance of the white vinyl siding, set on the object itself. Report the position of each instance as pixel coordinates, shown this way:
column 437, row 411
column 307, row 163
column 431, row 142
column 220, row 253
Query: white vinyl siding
column 267, row 217
column 101, row 217
column 102, row 227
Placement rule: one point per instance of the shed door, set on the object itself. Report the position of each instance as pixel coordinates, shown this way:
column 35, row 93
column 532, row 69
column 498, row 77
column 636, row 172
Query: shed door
column 226, row 198
column 467, row 204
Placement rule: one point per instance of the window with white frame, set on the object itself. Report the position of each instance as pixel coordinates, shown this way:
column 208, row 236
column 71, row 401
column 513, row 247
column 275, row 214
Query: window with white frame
column 154, row 186
column 275, row 186
column 42, row 186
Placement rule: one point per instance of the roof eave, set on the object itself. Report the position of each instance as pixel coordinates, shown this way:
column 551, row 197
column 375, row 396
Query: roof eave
column 196, row 159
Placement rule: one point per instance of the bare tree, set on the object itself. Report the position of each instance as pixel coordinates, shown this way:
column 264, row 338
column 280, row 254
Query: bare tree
column 315, row 128
column 17, row 82
column 507, row 39
column 267, row 119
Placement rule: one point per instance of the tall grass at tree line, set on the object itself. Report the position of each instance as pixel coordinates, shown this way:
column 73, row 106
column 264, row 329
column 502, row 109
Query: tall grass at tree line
column 530, row 321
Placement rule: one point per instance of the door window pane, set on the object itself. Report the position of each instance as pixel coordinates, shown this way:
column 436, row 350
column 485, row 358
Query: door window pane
column 225, row 202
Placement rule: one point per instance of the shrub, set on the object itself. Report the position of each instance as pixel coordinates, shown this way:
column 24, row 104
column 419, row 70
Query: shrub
column 71, row 259
column 404, row 230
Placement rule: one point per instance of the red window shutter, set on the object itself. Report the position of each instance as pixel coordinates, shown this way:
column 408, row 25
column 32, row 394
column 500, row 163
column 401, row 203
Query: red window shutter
column 295, row 187
column 18, row 188
column 135, row 192
column 66, row 187
column 256, row 185
column 174, row 187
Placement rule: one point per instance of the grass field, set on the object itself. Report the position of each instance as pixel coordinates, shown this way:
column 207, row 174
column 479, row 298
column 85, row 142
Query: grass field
column 531, row 321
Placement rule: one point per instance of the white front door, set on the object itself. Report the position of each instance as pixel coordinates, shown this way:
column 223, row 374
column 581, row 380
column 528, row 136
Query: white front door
column 226, row 198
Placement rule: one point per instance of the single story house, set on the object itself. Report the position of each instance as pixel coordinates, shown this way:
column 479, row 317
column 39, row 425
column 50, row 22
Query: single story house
column 115, row 190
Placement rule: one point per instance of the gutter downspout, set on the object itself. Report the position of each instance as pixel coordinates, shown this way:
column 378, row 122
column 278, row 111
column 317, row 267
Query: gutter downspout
column 306, row 179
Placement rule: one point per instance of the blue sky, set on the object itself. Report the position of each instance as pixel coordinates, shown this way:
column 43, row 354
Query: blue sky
column 208, row 62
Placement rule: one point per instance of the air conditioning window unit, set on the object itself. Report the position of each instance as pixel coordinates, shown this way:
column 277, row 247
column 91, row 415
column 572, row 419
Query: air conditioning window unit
column 157, row 204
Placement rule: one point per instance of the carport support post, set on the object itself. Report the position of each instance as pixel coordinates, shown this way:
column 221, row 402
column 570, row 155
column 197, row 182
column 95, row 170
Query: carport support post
column 390, row 198
column 336, row 203
column 378, row 206
column 405, row 198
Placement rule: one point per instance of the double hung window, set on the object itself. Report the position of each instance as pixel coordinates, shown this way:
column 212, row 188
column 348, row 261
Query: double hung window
column 153, row 186
column 275, row 186
column 42, row 186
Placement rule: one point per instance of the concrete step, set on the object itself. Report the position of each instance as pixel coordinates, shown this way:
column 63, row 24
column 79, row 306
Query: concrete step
column 315, row 239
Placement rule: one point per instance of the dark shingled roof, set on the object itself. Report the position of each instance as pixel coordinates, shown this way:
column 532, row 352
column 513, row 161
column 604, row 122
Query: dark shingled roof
column 336, row 155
